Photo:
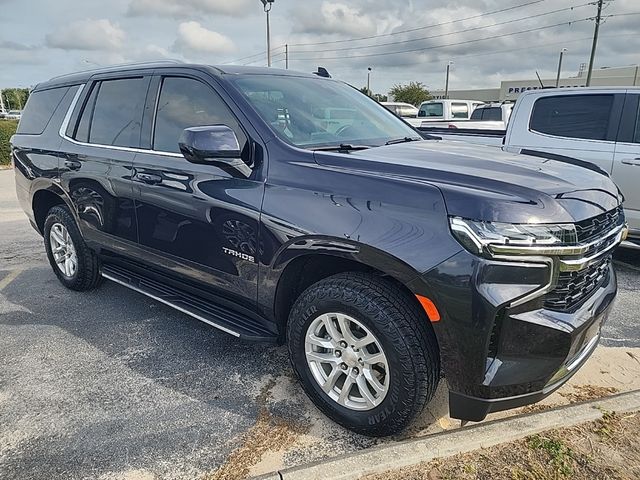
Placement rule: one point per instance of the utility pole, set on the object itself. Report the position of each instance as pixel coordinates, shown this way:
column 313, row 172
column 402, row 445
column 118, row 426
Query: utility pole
column 446, row 84
column 267, row 8
column 286, row 56
column 369, row 81
column 560, row 67
column 595, row 42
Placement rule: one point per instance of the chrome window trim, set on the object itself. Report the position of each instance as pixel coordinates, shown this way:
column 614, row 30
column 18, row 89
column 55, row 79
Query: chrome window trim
column 65, row 124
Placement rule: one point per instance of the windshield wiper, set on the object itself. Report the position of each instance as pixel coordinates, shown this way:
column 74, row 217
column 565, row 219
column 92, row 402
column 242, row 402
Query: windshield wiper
column 343, row 147
column 402, row 140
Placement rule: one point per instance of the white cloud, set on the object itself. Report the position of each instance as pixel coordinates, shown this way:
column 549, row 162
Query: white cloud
column 335, row 18
column 193, row 37
column 187, row 8
column 87, row 35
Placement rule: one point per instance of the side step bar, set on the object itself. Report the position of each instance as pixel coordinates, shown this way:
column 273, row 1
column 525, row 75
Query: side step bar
column 204, row 310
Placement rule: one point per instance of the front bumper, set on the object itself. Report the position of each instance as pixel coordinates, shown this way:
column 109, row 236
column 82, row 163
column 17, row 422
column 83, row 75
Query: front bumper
column 498, row 351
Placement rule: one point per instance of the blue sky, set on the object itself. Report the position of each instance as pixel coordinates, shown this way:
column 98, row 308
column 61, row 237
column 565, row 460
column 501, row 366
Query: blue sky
column 40, row 39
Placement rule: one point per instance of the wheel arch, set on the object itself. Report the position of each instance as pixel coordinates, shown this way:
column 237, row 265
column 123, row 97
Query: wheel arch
column 43, row 199
column 307, row 261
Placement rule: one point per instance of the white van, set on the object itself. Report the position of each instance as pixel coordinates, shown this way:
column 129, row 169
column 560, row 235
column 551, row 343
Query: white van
column 447, row 109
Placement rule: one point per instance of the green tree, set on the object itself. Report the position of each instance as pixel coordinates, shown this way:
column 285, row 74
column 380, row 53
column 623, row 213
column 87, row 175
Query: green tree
column 15, row 98
column 414, row 93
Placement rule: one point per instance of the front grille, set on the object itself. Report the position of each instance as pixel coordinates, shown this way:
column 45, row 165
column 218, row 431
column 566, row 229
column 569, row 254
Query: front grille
column 574, row 287
column 592, row 228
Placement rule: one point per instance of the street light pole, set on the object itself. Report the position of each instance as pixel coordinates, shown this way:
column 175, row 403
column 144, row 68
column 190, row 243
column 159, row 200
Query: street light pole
column 560, row 67
column 369, row 81
column 446, row 84
column 267, row 8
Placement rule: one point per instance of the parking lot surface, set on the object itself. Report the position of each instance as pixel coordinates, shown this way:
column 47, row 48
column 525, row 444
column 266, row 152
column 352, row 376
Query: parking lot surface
column 110, row 384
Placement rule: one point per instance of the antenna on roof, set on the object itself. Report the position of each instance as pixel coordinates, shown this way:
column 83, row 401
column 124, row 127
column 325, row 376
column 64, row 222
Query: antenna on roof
column 322, row 72
column 541, row 84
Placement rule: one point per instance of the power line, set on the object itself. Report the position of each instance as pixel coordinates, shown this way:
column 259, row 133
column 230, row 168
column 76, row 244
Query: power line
column 465, row 42
column 419, row 28
column 264, row 52
column 398, row 42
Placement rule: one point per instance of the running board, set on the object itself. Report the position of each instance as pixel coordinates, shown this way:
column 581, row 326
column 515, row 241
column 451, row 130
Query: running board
column 204, row 310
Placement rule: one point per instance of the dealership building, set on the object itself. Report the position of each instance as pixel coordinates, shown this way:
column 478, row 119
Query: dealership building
column 510, row 89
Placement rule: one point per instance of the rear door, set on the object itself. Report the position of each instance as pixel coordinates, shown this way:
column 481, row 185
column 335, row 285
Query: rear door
column 626, row 162
column 197, row 222
column 100, row 142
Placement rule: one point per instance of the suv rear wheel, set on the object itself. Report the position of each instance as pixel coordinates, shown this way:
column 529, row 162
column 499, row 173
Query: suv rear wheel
column 75, row 265
column 364, row 352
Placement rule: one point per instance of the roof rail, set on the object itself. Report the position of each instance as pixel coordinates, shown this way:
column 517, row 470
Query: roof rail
column 120, row 65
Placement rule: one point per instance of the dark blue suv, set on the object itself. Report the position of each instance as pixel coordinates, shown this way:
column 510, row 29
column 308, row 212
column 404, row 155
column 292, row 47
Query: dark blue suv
column 284, row 207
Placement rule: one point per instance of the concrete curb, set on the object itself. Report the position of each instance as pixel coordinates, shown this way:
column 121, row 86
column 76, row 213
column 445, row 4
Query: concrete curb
column 411, row 452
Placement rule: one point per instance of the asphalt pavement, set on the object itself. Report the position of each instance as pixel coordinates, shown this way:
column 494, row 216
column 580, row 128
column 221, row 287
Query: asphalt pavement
column 110, row 384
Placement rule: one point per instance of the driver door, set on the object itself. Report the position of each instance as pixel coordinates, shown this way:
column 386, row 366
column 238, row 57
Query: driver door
column 196, row 221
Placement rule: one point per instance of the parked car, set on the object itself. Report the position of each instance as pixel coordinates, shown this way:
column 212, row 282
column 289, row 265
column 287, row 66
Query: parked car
column 491, row 116
column 378, row 258
column 406, row 111
column 596, row 125
column 446, row 109
column 13, row 115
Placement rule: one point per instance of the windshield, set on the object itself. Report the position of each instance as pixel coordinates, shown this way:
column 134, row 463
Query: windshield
column 311, row 113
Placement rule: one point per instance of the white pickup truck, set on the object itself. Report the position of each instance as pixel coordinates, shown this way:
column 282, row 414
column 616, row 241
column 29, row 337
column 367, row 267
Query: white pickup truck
column 446, row 110
column 598, row 125
column 491, row 116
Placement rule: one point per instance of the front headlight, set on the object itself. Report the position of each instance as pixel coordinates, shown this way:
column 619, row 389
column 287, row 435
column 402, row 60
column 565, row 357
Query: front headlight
column 491, row 238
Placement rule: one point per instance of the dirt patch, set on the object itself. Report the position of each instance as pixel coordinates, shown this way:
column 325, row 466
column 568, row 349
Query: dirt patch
column 583, row 393
column 605, row 449
column 269, row 434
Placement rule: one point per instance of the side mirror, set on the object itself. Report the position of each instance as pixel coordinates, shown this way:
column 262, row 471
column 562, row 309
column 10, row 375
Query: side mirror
column 214, row 145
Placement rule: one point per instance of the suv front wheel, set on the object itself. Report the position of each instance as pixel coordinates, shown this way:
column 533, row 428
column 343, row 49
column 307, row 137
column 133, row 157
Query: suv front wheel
column 73, row 262
column 364, row 352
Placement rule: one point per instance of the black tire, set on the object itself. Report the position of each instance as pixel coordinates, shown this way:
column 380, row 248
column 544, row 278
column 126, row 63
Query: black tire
column 87, row 274
column 400, row 326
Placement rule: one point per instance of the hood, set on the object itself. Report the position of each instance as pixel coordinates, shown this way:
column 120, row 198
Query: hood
column 486, row 183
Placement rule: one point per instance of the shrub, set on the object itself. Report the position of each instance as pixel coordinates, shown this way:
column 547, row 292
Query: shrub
column 7, row 128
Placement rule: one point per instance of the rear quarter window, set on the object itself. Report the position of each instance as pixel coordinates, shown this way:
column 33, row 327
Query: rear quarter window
column 573, row 116
column 39, row 109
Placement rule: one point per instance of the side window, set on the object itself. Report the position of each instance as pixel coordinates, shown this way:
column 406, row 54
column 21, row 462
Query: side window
column 117, row 112
column 431, row 110
column 185, row 102
column 459, row 110
column 39, row 110
column 574, row 116
column 82, row 132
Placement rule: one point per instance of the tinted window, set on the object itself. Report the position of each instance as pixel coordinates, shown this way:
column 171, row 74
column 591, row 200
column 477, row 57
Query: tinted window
column 492, row 113
column 477, row 114
column 39, row 110
column 575, row 116
column 82, row 133
column 117, row 114
column 459, row 110
column 184, row 103
column 431, row 110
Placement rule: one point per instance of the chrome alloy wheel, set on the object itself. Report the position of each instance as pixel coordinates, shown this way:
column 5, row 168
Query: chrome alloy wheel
column 347, row 361
column 63, row 250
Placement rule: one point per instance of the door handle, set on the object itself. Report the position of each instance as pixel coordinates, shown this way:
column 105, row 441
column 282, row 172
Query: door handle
column 148, row 178
column 73, row 164
column 631, row 161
